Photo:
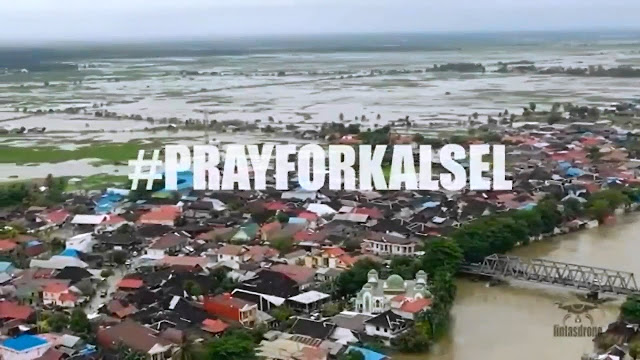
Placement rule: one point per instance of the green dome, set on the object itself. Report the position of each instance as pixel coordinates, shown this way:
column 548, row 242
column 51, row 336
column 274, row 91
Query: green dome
column 395, row 282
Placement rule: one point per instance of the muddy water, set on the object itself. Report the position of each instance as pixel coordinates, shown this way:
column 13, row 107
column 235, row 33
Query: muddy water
column 516, row 321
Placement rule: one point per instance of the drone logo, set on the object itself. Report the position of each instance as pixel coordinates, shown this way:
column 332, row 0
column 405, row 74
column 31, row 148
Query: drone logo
column 577, row 311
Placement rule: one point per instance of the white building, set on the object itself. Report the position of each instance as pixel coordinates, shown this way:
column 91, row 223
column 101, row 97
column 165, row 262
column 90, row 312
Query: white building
column 387, row 244
column 24, row 347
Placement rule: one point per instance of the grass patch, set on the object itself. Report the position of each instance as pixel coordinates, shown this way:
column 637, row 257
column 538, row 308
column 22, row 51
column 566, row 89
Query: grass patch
column 112, row 152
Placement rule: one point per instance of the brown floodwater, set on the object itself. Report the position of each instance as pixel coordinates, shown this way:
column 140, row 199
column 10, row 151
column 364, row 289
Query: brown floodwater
column 516, row 321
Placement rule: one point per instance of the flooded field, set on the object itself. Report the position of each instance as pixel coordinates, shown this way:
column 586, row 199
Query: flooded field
column 298, row 88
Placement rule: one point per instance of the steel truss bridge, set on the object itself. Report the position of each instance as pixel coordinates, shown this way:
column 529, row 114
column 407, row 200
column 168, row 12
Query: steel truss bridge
column 589, row 278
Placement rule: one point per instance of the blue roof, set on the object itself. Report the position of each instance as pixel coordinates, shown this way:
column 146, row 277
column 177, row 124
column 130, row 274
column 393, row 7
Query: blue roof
column 5, row 265
column 24, row 342
column 528, row 206
column 69, row 252
column 184, row 181
column 574, row 172
column 368, row 354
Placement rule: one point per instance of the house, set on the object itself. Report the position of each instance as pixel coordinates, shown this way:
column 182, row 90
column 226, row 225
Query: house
column 386, row 325
column 93, row 220
column 130, row 284
column 387, row 244
column 313, row 328
column 231, row 253
column 7, row 267
column 161, row 215
column 377, row 296
column 308, row 301
column 82, row 242
column 138, row 338
column 24, row 347
column 58, row 293
column 13, row 311
column 231, row 308
column 329, row 257
column 268, row 289
column 302, row 275
column 189, row 263
column 214, row 327
column 168, row 244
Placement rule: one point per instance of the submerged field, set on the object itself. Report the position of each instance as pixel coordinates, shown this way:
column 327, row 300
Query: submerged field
column 144, row 95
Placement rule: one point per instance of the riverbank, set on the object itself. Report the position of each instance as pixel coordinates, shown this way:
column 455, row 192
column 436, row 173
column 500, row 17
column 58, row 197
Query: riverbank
column 516, row 321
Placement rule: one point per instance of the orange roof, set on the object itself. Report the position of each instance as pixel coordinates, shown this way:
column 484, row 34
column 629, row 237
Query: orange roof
column 68, row 297
column 130, row 283
column 214, row 326
column 416, row 305
column 55, row 287
column 334, row 251
column 347, row 259
column 161, row 213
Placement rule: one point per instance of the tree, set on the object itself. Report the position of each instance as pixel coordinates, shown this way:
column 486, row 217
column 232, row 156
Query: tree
column 57, row 321
column 572, row 208
column 79, row 323
column 284, row 244
column 532, row 106
column 404, row 266
column 634, row 349
column 352, row 355
column 282, row 217
column 441, row 255
column 599, row 209
column 282, row 313
column 351, row 281
column 412, row 341
column 330, row 309
column 630, row 309
column 237, row 345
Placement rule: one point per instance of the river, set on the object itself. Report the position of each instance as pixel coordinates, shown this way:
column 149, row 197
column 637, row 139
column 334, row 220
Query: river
column 516, row 321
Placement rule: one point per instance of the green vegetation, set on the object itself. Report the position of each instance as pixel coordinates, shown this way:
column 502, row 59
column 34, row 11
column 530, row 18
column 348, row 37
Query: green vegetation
column 115, row 152
column 441, row 261
column 233, row 345
column 29, row 193
column 630, row 310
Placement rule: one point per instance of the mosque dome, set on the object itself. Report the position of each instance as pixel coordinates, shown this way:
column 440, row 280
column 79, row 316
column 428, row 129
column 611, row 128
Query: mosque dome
column 395, row 282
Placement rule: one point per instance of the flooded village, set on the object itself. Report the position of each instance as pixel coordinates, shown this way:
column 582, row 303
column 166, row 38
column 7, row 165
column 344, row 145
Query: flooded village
column 93, row 270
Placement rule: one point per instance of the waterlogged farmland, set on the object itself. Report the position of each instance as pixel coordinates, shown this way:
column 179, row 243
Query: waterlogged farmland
column 112, row 104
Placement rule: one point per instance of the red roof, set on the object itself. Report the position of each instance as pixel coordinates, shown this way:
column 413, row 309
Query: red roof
column 276, row 205
column 57, row 216
column 11, row 310
column 308, row 215
column 6, row 245
column 55, row 287
column 372, row 212
column 130, row 283
column 334, row 251
column 415, row 306
column 214, row 326
column 68, row 297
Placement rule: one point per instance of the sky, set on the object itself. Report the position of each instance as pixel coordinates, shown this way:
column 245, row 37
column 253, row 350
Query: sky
column 107, row 20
